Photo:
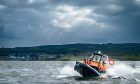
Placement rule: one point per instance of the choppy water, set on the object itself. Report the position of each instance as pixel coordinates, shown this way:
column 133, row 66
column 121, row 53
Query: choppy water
column 61, row 72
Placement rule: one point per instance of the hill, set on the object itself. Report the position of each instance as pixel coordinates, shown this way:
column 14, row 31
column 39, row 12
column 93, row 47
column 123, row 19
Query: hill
column 109, row 48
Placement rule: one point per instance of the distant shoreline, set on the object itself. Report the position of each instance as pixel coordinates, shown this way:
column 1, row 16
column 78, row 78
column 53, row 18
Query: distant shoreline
column 78, row 58
column 71, row 52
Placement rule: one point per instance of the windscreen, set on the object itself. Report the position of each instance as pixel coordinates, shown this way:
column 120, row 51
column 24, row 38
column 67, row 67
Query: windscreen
column 96, row 58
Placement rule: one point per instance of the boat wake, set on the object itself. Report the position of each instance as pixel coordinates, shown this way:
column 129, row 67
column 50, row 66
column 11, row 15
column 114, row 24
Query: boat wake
column 67, row 71
column 120, row 70
column 117, row 71
column 124, row 71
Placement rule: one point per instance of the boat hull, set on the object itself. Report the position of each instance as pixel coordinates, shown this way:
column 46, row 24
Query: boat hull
column 86, row 70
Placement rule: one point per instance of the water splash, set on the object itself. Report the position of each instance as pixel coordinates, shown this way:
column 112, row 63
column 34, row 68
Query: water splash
column 67, row 71
column 121, row 70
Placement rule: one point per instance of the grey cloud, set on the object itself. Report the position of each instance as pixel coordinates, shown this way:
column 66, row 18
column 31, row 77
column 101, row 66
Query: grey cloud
column 28, row 22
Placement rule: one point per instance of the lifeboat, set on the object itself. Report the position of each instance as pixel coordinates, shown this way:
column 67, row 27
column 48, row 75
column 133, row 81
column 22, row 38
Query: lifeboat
column 95, row 66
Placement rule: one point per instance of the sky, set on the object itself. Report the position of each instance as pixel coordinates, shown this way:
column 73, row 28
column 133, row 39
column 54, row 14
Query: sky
column 53, row 22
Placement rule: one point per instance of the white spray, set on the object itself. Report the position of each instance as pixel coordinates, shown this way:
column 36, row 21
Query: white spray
column 67, row 71
column 119, row 69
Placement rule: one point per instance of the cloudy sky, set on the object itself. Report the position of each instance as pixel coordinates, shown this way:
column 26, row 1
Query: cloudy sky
column 49, row 22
